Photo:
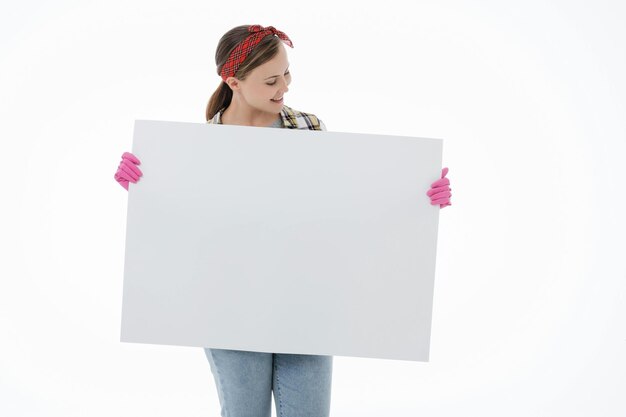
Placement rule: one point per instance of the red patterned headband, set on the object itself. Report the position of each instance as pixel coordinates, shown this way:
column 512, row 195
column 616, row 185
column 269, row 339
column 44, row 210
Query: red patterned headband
column 241, row 51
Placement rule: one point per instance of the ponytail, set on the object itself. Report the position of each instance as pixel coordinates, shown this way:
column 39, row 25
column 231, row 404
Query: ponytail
column 219, row 99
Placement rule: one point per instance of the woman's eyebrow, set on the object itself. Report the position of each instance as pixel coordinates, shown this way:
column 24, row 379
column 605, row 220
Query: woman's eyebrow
column 273, row 76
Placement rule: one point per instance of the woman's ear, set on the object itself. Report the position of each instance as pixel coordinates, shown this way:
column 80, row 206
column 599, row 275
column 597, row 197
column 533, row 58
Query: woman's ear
column 233, row 83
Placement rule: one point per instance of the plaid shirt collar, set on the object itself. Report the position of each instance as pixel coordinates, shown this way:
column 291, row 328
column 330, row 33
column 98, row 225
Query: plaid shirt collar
column 287, row 114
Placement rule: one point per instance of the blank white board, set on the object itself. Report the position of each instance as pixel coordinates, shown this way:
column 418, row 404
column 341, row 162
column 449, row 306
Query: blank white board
column 281, row 240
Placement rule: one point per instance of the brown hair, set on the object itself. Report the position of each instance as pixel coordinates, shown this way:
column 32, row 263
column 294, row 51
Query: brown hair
column 263, row 52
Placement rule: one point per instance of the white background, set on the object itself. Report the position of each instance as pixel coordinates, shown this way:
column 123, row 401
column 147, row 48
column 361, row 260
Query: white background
column 529, row 97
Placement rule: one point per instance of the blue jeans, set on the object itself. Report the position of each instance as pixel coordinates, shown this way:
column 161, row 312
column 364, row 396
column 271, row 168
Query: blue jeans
column 245, row 380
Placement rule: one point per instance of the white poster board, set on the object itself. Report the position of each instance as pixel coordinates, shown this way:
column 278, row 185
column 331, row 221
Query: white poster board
column 281, row 240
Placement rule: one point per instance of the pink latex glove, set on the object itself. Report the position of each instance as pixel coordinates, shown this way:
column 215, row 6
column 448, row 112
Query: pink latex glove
column 439, row 192
column 127, row 170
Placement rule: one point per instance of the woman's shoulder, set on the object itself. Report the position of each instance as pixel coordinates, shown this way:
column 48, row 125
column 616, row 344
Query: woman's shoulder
column 297, row 119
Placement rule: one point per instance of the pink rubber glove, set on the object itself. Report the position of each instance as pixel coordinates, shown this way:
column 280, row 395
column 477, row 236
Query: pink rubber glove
column 439, row 192
column 127, row 170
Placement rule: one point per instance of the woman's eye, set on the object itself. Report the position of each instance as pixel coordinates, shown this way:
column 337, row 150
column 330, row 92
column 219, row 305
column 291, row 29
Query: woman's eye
column 275, row 81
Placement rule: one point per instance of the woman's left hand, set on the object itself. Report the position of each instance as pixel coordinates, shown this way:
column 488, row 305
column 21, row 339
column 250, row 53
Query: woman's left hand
column 439, row 192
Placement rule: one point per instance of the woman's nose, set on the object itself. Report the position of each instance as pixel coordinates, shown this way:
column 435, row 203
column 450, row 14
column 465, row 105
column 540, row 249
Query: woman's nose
column 285, row 86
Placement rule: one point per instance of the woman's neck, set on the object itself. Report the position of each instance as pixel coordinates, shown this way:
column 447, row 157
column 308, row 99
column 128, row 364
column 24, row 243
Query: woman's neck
column 244, row 115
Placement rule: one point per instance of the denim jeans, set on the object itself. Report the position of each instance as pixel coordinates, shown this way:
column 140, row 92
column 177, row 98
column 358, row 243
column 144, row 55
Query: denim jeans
column 245, row 380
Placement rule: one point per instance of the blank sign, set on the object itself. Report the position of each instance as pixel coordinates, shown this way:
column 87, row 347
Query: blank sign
column 281, row 240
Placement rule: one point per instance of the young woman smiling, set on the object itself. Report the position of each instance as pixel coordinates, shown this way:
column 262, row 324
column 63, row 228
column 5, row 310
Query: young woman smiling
column 252, row 62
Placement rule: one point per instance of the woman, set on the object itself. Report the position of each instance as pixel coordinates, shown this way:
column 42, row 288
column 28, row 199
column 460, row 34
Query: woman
column 254, row 68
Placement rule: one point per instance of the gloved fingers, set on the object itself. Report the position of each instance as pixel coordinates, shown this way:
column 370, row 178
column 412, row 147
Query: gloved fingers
column 131, row 167
column 436, row 190
column 443, row 200
column 125, row 172
column 130, row 163
column 123, row 176
column 131, row 157
column 121, row 181
column 440, row 182
column 444, row 172
column 440, row 200
column 441, row 194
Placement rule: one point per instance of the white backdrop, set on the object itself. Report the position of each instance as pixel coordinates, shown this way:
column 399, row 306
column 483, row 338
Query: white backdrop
column 529, row 308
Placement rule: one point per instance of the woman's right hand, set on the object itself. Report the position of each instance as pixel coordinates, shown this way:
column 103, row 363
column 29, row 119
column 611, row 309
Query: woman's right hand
column 127, row 170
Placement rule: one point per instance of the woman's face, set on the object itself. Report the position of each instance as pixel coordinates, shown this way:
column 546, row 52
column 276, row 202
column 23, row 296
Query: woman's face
column 267, row 82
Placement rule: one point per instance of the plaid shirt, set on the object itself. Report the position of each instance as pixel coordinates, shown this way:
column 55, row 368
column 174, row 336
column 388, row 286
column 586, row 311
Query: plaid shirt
column 292, row 119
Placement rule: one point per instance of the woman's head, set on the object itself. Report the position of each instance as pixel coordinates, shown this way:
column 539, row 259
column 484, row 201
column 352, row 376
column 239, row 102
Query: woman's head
column 263, row 75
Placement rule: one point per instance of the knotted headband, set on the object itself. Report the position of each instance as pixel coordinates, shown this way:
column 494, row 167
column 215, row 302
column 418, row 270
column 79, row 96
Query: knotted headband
column 241, row 51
